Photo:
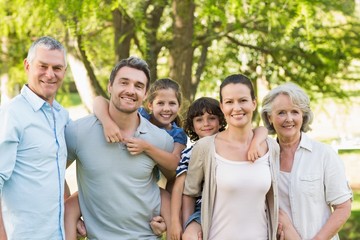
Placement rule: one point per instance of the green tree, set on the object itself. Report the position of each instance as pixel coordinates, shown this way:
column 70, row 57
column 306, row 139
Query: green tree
column 195, row 42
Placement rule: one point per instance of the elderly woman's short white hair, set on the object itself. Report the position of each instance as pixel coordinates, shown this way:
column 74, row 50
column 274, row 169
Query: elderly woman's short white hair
column 297, row 96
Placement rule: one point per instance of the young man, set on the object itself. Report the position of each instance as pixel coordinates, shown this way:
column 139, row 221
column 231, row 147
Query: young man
column 33, row 149
column 118, row 193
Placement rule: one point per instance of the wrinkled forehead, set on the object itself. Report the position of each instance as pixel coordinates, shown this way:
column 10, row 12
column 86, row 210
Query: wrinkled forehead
column 53, row 57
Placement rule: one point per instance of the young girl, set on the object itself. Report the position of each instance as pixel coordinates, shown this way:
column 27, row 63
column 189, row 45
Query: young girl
column 163, row 101
column 239, row 197
column 204, row 118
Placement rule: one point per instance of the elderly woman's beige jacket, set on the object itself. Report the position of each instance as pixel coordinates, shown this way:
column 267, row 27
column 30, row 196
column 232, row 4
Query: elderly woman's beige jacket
column 202, row 166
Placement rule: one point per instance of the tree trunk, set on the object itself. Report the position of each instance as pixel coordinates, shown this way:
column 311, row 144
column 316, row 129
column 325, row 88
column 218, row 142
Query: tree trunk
column 181, row 51
column 124, row 30
column 153, row 46
column 83, row 74
column 200, row 69
column 82, row 81
column 4, row 78
column 4, row 93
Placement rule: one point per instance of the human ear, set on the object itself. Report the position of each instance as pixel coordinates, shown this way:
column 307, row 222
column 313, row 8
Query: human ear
column 26, row 65
column 150, row 107
column 269, row 119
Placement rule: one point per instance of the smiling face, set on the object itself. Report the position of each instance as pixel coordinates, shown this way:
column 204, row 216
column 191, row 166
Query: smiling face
column 164, row 108
column 206, row 124
column 286, row 118
column 128, row 89
column 237, row 104
column 46, row 72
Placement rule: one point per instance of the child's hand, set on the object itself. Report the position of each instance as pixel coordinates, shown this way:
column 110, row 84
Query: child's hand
column 254, row 152
column 175, row 230
column 288, row 230
column 112, row 132
column 135, row 145
column 284, row 219
column 280, row 232
column 158, row 225
column 81, row 229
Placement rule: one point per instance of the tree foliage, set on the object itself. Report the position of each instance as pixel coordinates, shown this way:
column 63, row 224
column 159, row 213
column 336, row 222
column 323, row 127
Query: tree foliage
column 195, row 42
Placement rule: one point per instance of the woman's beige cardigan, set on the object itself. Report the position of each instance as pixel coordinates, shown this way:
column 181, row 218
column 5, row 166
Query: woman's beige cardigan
column 202, row 166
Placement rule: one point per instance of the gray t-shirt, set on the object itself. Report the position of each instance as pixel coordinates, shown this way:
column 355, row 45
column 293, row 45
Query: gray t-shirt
column 118, row 194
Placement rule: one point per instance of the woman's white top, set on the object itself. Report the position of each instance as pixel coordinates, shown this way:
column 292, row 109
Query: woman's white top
column 239, row 211
column 284, row 200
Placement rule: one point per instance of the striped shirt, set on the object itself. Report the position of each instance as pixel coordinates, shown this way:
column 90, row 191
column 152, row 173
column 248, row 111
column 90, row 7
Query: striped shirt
column 183, row 167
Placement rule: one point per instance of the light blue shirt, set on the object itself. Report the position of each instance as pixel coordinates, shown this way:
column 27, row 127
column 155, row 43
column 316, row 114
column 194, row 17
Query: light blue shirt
column 32, row 167
column 118, row 194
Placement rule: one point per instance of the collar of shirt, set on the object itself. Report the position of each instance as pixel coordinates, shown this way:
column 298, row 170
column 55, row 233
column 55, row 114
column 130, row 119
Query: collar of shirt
column 142, row 129
column 35, row 101
column 305, row 142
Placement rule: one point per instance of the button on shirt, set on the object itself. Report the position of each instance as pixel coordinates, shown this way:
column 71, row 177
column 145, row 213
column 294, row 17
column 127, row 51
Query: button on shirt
column 317, row 181
column 32, row 167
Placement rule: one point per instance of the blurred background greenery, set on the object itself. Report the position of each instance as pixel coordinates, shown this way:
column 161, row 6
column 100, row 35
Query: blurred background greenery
column 351, row 229
column 315, row 44
column 196, row 42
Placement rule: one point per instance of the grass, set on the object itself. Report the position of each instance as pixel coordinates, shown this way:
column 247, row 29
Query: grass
column 351, row 229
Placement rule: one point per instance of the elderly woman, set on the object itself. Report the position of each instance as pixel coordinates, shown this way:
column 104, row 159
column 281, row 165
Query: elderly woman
column 314, row 197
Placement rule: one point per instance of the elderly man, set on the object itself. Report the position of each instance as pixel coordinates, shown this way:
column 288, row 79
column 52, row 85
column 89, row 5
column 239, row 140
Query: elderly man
column 33, row 150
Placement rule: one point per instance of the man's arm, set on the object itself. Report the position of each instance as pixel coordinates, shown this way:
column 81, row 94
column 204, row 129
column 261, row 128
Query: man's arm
column 67, row 192
column 176, row 230
column 9, row 139
column 2, row 227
